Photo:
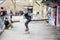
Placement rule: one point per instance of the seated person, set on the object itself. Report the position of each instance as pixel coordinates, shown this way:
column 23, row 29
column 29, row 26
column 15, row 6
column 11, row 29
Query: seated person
column 7, row 24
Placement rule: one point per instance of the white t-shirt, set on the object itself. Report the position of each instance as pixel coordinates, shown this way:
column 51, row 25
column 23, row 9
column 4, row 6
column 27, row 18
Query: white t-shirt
column 30, row 14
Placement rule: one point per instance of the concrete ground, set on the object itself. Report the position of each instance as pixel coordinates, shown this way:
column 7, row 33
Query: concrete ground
column 38, row 31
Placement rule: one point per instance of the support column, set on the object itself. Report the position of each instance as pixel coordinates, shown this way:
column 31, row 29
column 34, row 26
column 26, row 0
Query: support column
column 14, row 4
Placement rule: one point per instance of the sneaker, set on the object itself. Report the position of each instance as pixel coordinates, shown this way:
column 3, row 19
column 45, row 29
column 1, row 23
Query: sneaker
column 27, row 29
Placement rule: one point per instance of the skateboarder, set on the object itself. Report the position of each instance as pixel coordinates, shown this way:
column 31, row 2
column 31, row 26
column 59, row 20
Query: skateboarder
column 28, row 16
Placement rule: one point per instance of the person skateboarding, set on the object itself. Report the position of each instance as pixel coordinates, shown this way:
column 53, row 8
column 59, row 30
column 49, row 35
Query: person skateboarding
column 28, row 16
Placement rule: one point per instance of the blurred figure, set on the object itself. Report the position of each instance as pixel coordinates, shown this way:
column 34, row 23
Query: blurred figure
column 11, row 14
column 1, row 21
column 8, row 15
column 2, row 14
column 28, row 16
column 7, row 24
column 48, row 15
column 4, row 11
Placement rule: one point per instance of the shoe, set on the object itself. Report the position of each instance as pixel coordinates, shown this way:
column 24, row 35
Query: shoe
column 27, row 29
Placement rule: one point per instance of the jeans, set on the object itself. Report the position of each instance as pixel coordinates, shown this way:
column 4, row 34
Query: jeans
column 1, row 23
column 26, row 24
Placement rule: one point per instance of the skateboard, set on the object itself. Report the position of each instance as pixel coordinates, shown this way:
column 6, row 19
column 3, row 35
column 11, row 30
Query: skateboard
column 27, row 32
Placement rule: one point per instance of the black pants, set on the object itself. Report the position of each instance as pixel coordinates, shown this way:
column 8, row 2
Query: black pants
column 26, row 24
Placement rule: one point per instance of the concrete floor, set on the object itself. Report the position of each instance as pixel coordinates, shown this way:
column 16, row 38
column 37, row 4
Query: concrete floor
column 38, row 31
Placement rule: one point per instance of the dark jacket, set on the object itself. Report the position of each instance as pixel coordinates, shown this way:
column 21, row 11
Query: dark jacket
column 28, row 17
column 6, row 22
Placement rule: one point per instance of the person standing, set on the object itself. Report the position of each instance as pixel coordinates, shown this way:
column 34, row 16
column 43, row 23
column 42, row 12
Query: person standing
column 11, row 14
column 2, row 14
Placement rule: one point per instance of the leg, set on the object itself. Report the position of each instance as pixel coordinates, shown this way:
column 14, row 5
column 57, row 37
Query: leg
column 6, row 27
column 10, row 25
column 1, row 25
column 26, row 24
